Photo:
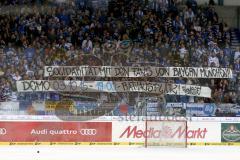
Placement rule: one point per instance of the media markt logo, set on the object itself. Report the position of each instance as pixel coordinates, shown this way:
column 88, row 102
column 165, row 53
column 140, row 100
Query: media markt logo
column 230, row 132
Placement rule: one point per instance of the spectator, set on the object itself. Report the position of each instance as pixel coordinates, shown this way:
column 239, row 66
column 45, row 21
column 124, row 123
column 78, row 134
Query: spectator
column 237, row 66
column 182, row 51
column 87, row 45
column 213, row 60
column 16, row 76
column 237, row 54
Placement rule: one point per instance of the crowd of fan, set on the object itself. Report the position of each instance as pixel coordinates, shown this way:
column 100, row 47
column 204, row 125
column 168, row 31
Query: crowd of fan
column 163, row 33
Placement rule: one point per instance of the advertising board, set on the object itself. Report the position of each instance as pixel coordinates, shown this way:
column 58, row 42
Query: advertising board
column 230, row 132
column 55, row 131
column 201, row 132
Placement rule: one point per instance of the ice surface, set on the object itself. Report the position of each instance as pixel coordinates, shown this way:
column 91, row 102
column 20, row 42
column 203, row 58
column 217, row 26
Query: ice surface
column 117, row 153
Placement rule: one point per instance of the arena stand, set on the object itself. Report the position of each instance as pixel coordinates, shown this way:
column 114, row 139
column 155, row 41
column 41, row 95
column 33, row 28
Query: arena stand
column 127, row 33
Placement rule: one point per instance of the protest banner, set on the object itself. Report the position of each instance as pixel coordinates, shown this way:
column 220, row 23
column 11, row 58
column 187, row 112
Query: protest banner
column 112, row 87
column 125, row 71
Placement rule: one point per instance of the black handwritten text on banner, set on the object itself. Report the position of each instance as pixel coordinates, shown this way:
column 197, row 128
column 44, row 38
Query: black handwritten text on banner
column 111, row 87
column 113, row 71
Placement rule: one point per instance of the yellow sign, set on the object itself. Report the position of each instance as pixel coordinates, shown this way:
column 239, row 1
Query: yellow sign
column 112, row 143
column 52, row 105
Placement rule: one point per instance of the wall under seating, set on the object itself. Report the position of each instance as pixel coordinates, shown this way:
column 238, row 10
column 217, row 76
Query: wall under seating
column 113, row 131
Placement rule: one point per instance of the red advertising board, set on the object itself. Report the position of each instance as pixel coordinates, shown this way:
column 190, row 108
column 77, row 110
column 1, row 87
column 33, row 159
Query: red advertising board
column 55, row 131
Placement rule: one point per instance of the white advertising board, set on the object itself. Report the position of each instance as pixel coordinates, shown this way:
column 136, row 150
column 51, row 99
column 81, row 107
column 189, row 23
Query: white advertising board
column 201, row 132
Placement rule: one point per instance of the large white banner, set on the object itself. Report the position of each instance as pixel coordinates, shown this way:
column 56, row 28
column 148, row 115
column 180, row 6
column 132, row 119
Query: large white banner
column 112, row 87
column 125, row 71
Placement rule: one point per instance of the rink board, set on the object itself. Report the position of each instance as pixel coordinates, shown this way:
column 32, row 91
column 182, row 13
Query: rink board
column 112, row 133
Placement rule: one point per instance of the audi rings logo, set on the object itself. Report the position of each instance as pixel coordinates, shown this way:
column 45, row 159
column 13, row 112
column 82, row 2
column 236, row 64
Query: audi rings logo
column 3, row 131
column 88, row 132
